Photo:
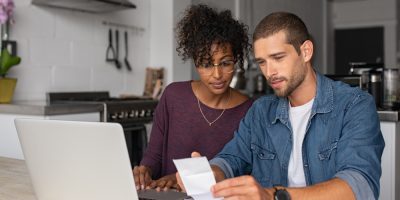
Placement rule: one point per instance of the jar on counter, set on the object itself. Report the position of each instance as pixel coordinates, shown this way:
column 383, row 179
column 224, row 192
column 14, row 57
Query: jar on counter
column 375, row 86
column 391, row 92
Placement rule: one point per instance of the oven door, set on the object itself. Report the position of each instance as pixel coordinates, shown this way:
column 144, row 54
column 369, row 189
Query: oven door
column 136, row 142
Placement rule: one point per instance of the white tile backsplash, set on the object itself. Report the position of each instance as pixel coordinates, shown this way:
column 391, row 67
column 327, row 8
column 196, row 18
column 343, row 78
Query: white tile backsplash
column 64, row 50
column 71, row 79
column 75, row 26
column 33, row 82
column 33, row 21
column 108, row 78
column 87, row 54
column 50, row 51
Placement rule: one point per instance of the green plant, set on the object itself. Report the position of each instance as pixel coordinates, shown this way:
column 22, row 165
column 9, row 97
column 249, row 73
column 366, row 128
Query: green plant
column 7, row 61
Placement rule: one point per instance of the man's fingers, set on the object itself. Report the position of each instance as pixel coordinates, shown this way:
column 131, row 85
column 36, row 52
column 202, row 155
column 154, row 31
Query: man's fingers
column 179, row 181
column 233, row 182
column 236, row 187
column 195, row 154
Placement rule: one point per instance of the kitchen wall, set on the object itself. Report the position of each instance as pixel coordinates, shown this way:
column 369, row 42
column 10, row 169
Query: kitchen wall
column 64, row 50
column 370, row 13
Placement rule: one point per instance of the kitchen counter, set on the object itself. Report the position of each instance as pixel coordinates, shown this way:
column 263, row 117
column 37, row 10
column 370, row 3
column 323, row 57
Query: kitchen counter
column 43, row 108
column 388, row 115
column 15, row 183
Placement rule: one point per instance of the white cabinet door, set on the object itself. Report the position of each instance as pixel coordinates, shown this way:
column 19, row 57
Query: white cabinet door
column 390, row 131
column 9, row 142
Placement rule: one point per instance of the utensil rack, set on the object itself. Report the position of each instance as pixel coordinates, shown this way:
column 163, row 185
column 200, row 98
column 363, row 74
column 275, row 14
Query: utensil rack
column 126, row 26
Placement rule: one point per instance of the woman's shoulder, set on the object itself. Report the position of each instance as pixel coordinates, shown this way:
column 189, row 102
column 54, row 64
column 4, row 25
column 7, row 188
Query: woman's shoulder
column 239, row 99
column 180, row 87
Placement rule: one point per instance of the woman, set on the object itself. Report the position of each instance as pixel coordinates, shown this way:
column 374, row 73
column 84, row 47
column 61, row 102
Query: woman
column 197, row 115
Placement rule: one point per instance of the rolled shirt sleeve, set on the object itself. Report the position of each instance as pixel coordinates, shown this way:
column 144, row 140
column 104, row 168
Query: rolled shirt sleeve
column 224, row 166
column 358, row 184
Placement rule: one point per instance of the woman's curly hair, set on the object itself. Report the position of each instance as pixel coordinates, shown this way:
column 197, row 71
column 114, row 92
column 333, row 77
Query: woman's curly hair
column 203, row 26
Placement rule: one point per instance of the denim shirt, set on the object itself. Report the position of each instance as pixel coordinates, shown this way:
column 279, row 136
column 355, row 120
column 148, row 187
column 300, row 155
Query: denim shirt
column 343, row 139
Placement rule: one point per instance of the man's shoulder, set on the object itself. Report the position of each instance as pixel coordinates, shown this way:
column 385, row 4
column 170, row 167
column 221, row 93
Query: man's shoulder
column 266, row 103
column 343, row 90
column 344, row 93
column 266, row 100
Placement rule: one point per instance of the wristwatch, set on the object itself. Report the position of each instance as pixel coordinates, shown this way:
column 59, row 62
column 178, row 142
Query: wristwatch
column 281, row 194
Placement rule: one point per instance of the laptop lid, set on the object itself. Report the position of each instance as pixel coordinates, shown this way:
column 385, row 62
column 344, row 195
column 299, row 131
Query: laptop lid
column 76, row 160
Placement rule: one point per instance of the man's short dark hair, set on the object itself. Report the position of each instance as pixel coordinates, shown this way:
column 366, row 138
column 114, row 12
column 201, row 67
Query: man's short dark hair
column 294, row 28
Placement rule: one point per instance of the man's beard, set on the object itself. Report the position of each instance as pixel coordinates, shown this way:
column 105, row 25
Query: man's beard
column 293, row 82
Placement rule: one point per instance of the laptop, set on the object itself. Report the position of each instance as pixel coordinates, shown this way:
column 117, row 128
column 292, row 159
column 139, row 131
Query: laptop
column 69, row 160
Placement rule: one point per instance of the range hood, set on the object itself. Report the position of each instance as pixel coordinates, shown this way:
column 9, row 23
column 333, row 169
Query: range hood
column 93, row 6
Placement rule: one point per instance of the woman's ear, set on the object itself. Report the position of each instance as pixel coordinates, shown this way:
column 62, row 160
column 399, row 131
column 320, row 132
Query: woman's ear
column 307, row 50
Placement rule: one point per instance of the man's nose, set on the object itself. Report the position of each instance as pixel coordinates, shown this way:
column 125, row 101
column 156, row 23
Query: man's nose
column 269, row 70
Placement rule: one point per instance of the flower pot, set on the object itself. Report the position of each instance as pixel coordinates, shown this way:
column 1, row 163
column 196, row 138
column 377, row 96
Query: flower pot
column 7, row 86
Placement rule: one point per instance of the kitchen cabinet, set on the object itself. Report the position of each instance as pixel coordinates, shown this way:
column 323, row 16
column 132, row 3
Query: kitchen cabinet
column 390, row 179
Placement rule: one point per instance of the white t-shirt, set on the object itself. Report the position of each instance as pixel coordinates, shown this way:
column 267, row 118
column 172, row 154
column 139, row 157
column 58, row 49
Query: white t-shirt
column 299, row 119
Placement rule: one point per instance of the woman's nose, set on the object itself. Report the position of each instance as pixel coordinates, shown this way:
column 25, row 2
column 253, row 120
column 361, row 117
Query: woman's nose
column 217, row 72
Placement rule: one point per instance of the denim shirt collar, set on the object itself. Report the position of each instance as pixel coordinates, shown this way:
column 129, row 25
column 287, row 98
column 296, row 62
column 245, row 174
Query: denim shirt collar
column 323, row 102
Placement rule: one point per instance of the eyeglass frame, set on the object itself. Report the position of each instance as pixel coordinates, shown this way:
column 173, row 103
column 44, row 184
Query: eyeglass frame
column 207, row 66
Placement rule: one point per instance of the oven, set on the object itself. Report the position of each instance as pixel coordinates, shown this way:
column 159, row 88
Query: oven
column 132, row 113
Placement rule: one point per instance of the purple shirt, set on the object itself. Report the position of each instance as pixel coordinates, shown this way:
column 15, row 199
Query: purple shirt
column 179, row 129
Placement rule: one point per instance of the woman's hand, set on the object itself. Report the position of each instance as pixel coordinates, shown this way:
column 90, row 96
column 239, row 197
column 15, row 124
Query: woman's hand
column 142, row 177
column 165, row 183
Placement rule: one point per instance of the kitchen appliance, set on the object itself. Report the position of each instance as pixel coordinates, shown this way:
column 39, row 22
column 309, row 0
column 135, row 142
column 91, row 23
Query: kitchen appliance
column 238, row 79
column 131, row 113
column 93, row 6
column 391, row 91
column 363, row 69
column 353, row 80
column 375, row 86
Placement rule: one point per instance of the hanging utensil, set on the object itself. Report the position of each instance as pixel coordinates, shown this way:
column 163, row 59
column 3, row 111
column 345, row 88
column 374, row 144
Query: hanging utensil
column 128, row 65
column 117, row 63
column 110, row 52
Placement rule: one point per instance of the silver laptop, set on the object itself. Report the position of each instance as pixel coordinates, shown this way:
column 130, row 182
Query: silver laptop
column 80, row 161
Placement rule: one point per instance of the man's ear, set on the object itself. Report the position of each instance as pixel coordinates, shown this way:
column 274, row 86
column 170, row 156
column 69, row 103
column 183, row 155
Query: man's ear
column 307, row 50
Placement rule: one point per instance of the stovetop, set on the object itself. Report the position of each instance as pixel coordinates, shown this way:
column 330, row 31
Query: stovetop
column 127, row 110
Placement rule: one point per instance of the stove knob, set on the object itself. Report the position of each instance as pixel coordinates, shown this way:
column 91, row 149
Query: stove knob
column 131, row 114
column 113, row 116
column 148, row 113
column 136, row 113
column 142, row 113
column 121, row 115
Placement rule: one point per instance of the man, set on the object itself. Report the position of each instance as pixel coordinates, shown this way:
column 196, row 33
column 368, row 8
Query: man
column 314, row 139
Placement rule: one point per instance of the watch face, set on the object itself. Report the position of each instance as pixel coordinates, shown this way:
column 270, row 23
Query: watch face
column 282, row 195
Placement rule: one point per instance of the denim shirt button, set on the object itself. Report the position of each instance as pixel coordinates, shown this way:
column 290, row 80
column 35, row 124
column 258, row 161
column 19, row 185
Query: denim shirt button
column 305, row 165
column 261, row 154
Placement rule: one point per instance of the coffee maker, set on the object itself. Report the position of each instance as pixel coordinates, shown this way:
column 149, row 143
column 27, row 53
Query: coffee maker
column 371, row 79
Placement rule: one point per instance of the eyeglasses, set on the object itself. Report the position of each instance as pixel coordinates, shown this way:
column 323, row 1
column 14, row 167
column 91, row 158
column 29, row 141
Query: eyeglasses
column 227, row 67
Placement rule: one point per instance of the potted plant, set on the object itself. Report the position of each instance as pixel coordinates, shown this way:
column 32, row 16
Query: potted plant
column 7, row 85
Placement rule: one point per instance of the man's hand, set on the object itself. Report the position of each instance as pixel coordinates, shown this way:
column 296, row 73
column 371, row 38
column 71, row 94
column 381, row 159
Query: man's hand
column 142, row 177
column 165, row 183
column 243, row 187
